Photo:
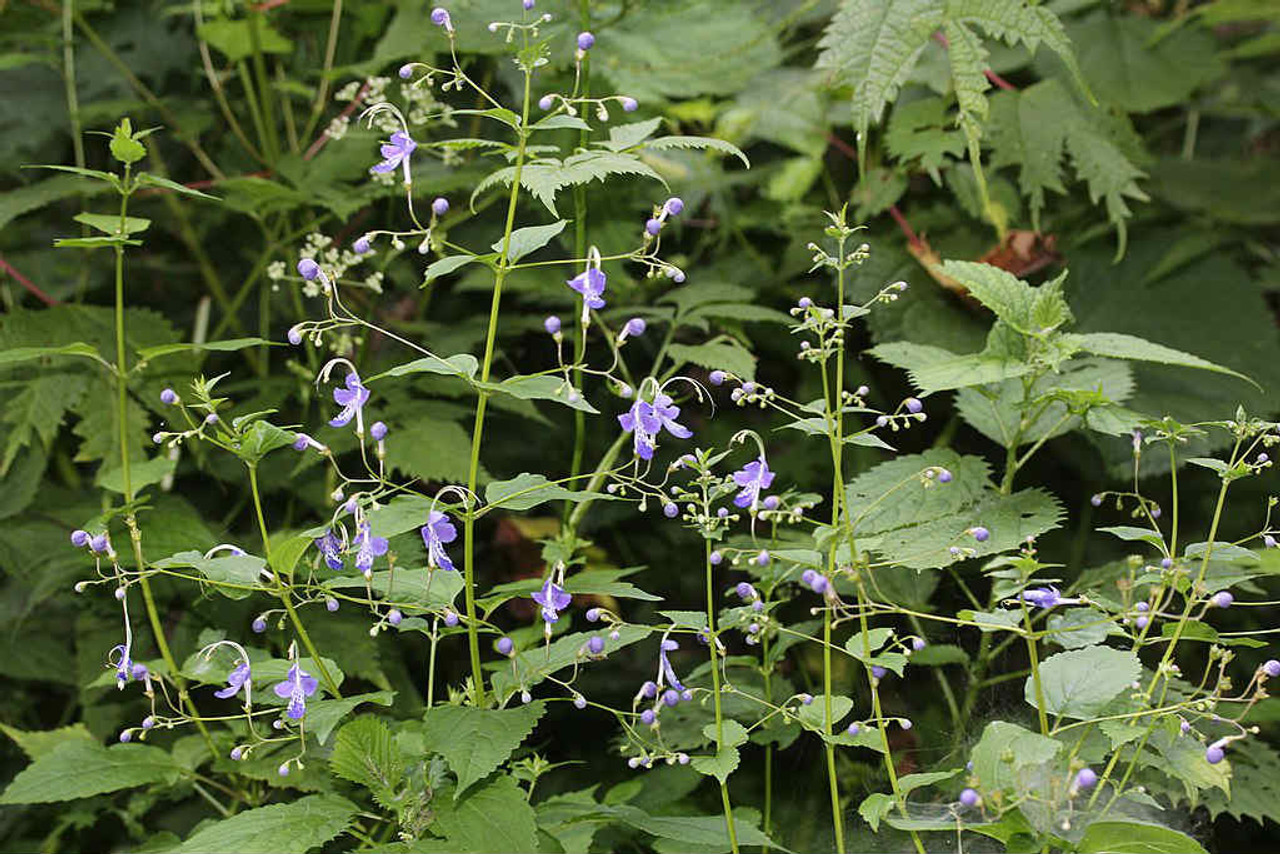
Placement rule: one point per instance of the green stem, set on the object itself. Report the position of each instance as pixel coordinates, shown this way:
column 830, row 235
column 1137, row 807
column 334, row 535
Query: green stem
column 330, row 50
column 1034, row 655
column 833, row 785
column 131, row 520
column 715, row 687
column 264, row 86
column 282, row 591
column 477, row 430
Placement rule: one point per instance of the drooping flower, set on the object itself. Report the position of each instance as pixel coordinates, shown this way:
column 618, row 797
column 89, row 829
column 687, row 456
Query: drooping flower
column 590, row 283
column 438, row 531
column 753, row 477
column 395, row 153
column 667, row 413
column 352, row 399
column 1047, row 597
column 641, row 420
column 238, row 679
column 332, row 548
column 368, row 547
column 553, row 600
column 124, row 665
column 297, row 686
column 668, row 671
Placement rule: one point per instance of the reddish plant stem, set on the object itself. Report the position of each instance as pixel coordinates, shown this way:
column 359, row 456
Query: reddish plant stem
column 847, row 150
column 27, row 283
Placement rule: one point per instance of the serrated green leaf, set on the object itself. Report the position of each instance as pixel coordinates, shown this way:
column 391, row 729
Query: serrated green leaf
column 476, row 741
column 365, row 753
column 1080, row 683
column 492, row 817
column 527, row 491
column 1116, row 345
column 78, row 769
column 293, row 828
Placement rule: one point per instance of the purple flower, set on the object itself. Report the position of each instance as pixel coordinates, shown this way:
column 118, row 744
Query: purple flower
column 79, row 538
column 630, row 105
column 1046, row 597
column 653, row 226
column 368, row 547
column 552, row 325
column 440, row 206
column 396, row 153
column 590, row 283
column 362, row 245
column 674, row 205
column 1222, row 599
column 406, row 71
column 438, row 531
column 238, row 679
column 440, row 17
column 308, row 269
column 394, row 616
column 667, row 415
column 1087, row 778
column 979, row 533
column 169, row 396
column 297, row 686
column 378, row 431
column 595, row 645
column 546, row 102
column 717, row 377
column 667, row 670
column 553, row 600
column 969, row 797
column 1214, row 754
column 331, row 548
column 586, row 41
column 352, row 400
column 913, row 405
column 506, row 645
column 1271, row 668
column 645, row 424
column 302, row 441
column 753, row 477
column 634, row 327
column 124, row 665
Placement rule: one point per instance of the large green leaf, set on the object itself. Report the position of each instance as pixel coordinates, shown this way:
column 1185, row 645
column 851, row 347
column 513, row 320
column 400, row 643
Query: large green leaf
column 1135, row 837
column 476, row 741
column 492, row 817
column 1008, row 756
column 293, row 828
column 1080, row 683
column 78, row 768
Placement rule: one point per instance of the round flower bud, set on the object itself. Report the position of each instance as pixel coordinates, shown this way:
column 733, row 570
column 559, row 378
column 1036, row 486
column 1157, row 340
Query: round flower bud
column 674, row 206
column 362, row 245
column 79, row 538
column 648, row 716
column 686, row 694
column 649, row 689
column 753, row 628
column 653, row 226
column 259, row 625
column 670, row 510
column 237, row 752
column 1214, row 754
column 970, row 798
column 120, row 593
column 308, row 269
column 635, row 327
column 1262, row 458
column 148, row 722
column 716, row 558
column 744, row 590
column 630, row 105
column 505, row 645
column 139, row 672
column 98, row 543
column 579, row 702
column 526, row 697
column 717, row 377
column 1186, row 727
column 439, row 16
column 945, row 476
column 917, row 644
column 772, row 502
column 552, row 325
column 406, row 71
column 670, row 697
column 126, row 736
column 545, row 102
column 1222, row 599
column 862, row 391
column 595, row 645
column 1096, row 501
column 1166, row 563
column 593, row 614
column 722, row 512
column 806, row 699
column 1086, row 779
column 331, row 604
column 440, row 206
column 283, row 770
column 378, row 431
column 169, row 397
column 763, row 558
column 757, row 606
column 980, row 534
column 853, row 729
column 295, row 336
column 528, row 4
column 1271, row 668
column 913, row 405
column 586, row 41
column 158, row 438
column 1142, row 622
column 450, row 619
column 877, row 671
column 819, row 584
column 882, row 421
column 1269, row 541
column 394, row 616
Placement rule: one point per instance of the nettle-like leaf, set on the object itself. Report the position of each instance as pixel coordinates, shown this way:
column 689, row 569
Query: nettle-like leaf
column 1035, row 127
column 293, row 828
column 493, row 817
column 476, row 741
column 365, row 753
column 78, row 768
column 1080, row 683
column 545, row 177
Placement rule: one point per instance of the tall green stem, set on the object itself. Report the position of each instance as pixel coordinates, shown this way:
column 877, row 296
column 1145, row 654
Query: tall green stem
column 477, row 430
column 135, row 535
column 282, row 590
column 715, row 687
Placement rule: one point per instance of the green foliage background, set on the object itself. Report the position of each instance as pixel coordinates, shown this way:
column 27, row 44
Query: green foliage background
column 1130, row 143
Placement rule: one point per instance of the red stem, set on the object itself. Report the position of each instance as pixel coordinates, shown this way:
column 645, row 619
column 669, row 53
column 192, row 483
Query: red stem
column 27, row 283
